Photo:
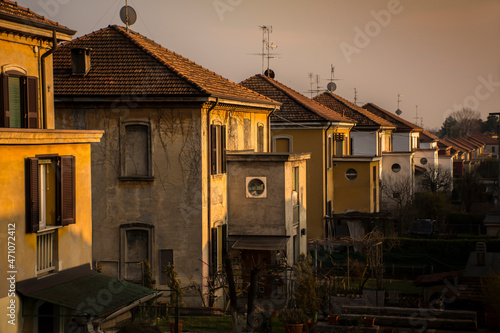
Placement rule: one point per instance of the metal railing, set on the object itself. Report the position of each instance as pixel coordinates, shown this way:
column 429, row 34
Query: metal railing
column 45, row 252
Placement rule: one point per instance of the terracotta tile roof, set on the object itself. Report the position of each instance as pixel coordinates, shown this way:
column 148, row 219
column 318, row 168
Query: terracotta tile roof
column 12, row 11
column 486, row 139
column 401, row 124
column 455, row 146
column 427, row 136
column 295, row 106
column 351, row 110
column 459, row 144
column 125, row 62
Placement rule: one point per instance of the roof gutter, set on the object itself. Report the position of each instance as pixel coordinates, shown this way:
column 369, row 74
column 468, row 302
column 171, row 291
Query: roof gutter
column 326, row 167
column 209, row 180
column 43, row 75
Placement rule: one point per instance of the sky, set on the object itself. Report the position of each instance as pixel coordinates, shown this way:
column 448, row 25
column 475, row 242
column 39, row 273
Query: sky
column 438, row 55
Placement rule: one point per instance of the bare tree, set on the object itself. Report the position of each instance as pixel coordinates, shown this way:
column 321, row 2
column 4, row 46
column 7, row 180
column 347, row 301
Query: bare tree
column 436, row 178
column 398, row 197
column 469, row 120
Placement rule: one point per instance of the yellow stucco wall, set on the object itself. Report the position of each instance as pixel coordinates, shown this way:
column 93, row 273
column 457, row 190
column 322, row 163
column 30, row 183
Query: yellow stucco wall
column 74, row 240
column 357, row 194
column 25, row 54
column 313, row 141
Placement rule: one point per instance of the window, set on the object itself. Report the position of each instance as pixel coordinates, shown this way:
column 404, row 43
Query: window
column 295, row 194
column 136, row 240
column 329, row 154
column 493, row 149
column 260, row 138
column 423, row 161
column 339, row 144
column 218, row 146
column 351, row 174
column 50, row 192
column 219, row 247
column 136, row 152
column 396, row 167
column 19, row 106
column 282, row 144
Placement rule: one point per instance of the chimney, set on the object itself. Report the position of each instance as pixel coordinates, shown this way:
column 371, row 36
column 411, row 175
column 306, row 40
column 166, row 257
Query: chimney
column 481, row 253
column 80, row 60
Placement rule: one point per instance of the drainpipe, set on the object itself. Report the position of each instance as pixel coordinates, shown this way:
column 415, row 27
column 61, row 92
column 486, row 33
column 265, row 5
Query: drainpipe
column 326, row 166
column 43, row 77
column 269, row 136
column 209, row 181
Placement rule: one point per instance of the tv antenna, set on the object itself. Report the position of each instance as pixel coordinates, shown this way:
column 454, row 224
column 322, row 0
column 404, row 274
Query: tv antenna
column 331, row 86
column 417, row 117
column 356, row 97
column 267, row 47
column 398, row 111
column 128, row 15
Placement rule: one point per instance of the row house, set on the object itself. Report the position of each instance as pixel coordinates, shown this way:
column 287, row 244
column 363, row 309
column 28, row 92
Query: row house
column 47, row 284
column 490, row 143
column 184, row 172
column 303, row 125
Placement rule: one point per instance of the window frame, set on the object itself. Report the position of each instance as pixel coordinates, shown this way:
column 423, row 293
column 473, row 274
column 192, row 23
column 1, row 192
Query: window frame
column 218, row 159
column 123, row 152
column 282, row 137
column 28, row 98
column 149, row 228
column 65, row 198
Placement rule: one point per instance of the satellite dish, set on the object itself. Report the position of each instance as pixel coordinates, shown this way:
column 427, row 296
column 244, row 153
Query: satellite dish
column 269, row 73
column 398, row 112
column 128, row 15
column 331, row 86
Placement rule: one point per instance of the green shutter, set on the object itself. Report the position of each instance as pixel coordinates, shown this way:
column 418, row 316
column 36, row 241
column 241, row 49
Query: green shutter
column 15, row 101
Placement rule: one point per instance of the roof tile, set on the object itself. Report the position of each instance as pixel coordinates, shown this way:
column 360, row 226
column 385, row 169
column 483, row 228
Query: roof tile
column 125, row 62
column 295, row 106
column 400, row 123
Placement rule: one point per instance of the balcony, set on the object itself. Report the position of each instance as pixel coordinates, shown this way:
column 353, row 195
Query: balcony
column 45, row 260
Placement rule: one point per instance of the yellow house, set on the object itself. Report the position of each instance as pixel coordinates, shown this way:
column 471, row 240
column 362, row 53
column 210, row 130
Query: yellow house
column 303, row 125
column 46, row 202
column 159, row 174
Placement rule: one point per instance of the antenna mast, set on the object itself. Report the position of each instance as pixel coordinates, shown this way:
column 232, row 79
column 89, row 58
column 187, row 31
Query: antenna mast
column 267, row 45
column 355, row 96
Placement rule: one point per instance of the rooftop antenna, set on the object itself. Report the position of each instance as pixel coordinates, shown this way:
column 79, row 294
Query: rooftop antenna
column 128, row 15
column 416, row 114
column 398, row 111
column 267, row 46
column 355, row 96
column 331, row 86
column 311, row 83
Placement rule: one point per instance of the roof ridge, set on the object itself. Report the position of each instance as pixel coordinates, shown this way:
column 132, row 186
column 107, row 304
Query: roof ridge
column 127, row 35
column 359, row 109
column 394, row 116
column 281, row 85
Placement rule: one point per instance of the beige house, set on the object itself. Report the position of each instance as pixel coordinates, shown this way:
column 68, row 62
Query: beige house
column 160, row 174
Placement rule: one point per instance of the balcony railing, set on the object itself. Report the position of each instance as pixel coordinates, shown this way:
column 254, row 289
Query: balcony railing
column 45, row 252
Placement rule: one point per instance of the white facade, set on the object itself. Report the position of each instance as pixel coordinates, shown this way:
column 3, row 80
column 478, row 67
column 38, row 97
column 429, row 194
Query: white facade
column 426, row 157
column 397, row 168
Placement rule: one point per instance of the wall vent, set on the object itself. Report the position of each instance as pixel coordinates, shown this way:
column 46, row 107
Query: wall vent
column 256, row 187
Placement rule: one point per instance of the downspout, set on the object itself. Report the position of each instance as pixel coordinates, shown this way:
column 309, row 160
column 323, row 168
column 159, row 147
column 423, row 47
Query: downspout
column 209, row 182
column 43, row 77
column 269, row 135
column 326, row 167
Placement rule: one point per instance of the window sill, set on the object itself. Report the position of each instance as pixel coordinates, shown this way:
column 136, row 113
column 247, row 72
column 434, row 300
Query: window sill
column 136, row 179
column 49, row 229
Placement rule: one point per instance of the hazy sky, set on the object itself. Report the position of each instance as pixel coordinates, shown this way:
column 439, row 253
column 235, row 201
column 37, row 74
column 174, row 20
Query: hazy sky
column 438, row 54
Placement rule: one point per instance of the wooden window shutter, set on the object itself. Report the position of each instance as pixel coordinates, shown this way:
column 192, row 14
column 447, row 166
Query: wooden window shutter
column 32, row 195
column 32, row 102
column 224, row 239
column 214, row 250
column 213, row 147
column 223, row 149
column 67, row 189
column 4, row 104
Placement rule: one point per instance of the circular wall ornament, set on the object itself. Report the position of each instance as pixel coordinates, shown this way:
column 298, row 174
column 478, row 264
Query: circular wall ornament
column 351, row 174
